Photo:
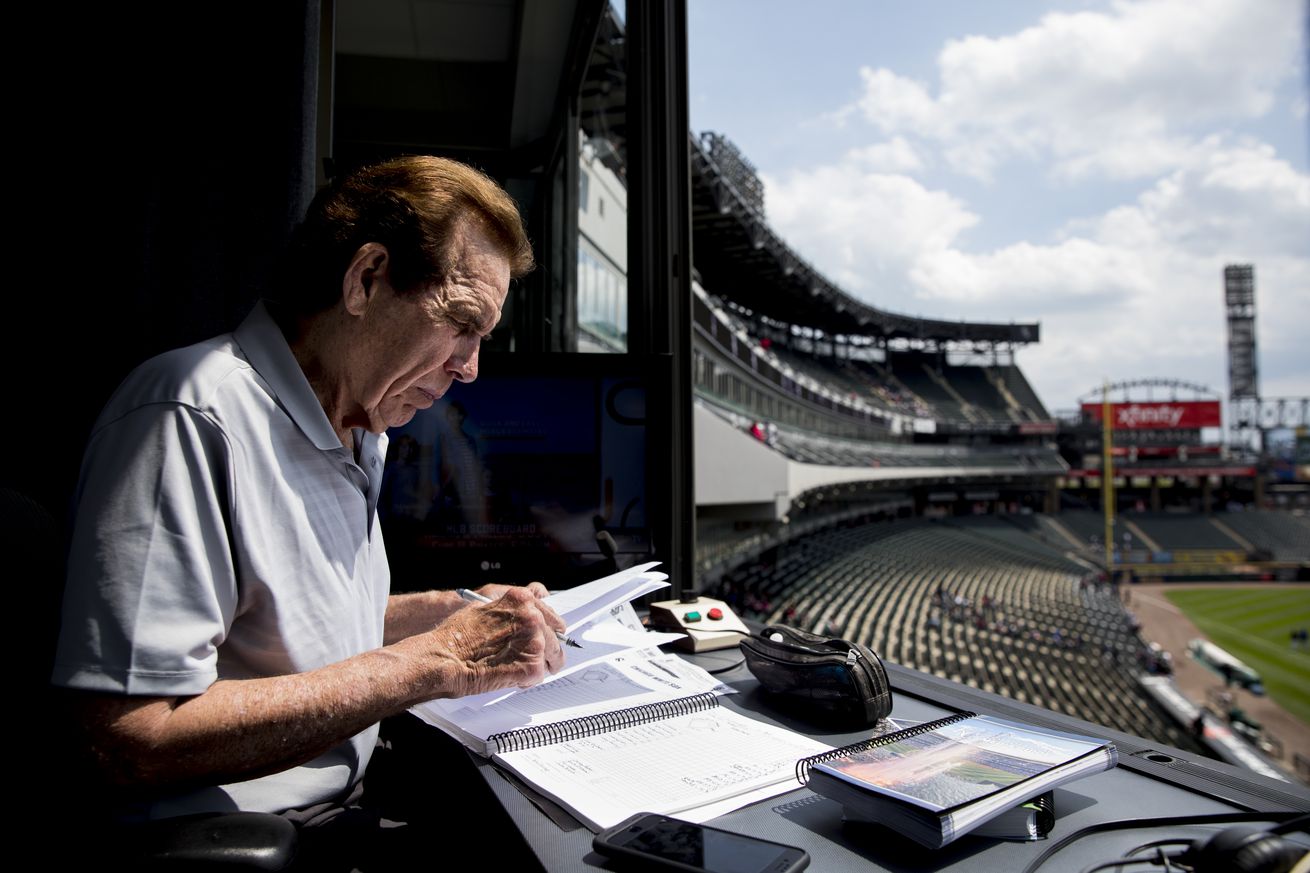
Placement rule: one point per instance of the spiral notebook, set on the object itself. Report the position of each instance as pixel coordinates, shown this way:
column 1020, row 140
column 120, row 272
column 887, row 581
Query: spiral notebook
column 642, row 683
column 938, row 781
column 695, row 759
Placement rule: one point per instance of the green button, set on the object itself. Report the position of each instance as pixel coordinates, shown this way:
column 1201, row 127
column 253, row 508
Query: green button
column 691, row 616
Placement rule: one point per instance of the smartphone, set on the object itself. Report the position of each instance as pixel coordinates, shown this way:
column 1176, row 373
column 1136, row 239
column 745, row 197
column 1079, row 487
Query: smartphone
column 653, row 841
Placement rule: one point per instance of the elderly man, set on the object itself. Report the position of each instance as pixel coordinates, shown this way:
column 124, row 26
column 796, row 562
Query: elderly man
column 227, row 623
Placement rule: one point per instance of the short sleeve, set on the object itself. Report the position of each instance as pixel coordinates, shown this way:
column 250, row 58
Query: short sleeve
column 151, row 590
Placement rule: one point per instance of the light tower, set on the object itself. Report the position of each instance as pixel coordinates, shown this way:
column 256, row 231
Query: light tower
column 1243, row 373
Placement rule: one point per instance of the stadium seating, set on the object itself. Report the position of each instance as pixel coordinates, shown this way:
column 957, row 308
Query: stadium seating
column 977, row 600
column 1278, row 536
column 1084, row 524
column 916, row 372
column 1282, row 535
column 971, row 383
column 912, row 384
column 1189, row 531
column 814, row 448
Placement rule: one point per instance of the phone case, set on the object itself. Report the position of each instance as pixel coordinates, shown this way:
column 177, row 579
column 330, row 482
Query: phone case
column 790, row 859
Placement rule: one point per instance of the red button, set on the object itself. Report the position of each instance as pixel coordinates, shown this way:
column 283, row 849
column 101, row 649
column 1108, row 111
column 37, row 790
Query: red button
column 715, row 614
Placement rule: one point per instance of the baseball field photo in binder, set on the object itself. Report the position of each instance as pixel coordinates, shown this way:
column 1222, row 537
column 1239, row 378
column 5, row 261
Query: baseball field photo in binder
column 941, row 780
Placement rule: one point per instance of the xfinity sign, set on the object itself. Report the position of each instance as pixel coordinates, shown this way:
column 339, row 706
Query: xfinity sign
column 1173, row 415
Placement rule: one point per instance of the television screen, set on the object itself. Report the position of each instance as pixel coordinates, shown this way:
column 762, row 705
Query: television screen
column 538, row 470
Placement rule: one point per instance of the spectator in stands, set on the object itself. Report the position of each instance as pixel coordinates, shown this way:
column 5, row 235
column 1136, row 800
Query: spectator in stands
column 227, row 628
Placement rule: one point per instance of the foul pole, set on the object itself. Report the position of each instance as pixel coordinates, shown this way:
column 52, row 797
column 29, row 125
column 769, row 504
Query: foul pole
column 1107, row 480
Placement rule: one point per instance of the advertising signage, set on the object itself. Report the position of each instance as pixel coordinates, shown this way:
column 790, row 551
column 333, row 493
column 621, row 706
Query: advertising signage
column 1173, row 414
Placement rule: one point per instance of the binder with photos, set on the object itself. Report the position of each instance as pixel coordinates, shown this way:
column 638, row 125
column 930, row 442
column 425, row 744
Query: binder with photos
column 937, row 781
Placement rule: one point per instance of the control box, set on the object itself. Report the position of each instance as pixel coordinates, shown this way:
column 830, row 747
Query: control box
column 708, row 623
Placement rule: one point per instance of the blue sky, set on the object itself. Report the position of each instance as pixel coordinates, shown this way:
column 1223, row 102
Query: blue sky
column 1090, row 165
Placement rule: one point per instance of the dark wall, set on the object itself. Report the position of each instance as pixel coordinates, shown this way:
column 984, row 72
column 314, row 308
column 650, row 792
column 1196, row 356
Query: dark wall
column 164, row 155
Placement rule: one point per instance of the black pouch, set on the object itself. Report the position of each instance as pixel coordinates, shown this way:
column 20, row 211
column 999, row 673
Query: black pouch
column 820, row 679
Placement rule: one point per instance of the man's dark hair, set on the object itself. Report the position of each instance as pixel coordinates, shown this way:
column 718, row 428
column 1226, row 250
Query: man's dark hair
column 416, row 207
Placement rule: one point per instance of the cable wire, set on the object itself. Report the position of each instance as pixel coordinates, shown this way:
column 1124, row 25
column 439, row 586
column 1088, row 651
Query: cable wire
column 1287, row 820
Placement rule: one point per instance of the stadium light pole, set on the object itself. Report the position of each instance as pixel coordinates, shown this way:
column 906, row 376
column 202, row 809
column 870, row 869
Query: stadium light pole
column 1107, row 479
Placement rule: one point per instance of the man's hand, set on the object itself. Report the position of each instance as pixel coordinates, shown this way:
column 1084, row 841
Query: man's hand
column 508, row 642
column 495, row 592
column 282, row 721
column 412, row 614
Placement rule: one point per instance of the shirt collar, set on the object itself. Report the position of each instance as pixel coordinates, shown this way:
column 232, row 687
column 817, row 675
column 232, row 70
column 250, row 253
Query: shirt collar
column 267, row 350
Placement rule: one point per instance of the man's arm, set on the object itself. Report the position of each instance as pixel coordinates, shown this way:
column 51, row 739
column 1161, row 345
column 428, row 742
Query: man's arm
column 242, row 729
column 409, row 614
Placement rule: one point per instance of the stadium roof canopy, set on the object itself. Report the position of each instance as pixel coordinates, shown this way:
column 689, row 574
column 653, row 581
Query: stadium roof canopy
column 740, row 257
column 736, row 253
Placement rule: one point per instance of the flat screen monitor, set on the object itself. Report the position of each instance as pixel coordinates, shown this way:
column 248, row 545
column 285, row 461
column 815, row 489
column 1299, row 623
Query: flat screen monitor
column 546, row 467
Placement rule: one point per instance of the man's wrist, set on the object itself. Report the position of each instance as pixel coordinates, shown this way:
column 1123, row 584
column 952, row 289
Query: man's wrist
column 437, row 669
column 446, row 604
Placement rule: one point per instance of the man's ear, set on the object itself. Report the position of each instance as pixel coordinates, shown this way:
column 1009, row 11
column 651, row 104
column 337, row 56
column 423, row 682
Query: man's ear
column 360, row 282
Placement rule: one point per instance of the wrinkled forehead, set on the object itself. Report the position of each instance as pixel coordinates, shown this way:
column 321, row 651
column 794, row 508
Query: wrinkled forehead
column 491, row 315
column 477, row 282
column 468, row 301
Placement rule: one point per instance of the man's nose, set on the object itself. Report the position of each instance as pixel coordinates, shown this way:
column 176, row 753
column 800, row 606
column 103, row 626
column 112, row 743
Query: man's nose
column 463, row 364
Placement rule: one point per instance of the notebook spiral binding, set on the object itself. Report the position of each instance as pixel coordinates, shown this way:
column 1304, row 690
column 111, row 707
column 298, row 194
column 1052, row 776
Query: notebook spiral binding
column 574, row 728
column 804, row 765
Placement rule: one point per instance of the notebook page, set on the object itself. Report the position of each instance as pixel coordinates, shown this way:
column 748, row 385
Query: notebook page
column 667, row 766
column 631, row 679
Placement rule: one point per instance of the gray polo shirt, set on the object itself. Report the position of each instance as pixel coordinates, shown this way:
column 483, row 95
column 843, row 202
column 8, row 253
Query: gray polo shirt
column 223, row 532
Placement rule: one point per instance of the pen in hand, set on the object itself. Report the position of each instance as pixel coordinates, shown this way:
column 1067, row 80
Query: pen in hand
column 475, row 597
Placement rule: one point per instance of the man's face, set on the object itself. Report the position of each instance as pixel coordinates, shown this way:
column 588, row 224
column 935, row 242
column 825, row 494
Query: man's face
column 412, row 348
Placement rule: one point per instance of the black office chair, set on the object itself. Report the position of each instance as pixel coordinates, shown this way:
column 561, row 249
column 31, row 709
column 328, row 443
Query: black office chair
column 53, row 784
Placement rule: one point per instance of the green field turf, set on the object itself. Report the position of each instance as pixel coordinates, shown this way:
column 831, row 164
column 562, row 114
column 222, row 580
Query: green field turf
column 1255, row 625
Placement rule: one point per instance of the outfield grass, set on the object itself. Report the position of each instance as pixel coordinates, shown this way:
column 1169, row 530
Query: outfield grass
column 1255, row 625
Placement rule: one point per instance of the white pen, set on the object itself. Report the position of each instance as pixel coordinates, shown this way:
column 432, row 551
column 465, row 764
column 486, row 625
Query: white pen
column 475, row 597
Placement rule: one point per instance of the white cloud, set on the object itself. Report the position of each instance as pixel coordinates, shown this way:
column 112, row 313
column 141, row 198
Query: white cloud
column 863, row 228
column 1075, row 275
column 894, row 156
column 1134, row 292
column 1111, row 93
column 1159, row 93
column 895, row 103
column 1237, row 205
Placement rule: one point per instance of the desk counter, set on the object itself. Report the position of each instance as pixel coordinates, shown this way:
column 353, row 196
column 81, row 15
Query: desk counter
column 1151, row 781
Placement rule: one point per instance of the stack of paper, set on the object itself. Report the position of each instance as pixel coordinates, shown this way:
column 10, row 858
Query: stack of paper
column 623, row 728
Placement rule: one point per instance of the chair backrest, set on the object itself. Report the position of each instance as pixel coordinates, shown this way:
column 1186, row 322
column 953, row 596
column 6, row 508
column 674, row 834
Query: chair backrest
column 67, row 819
